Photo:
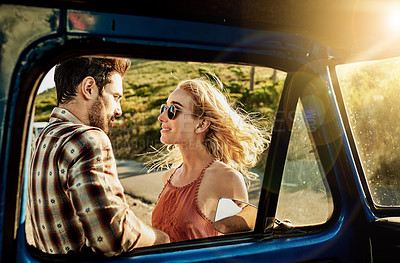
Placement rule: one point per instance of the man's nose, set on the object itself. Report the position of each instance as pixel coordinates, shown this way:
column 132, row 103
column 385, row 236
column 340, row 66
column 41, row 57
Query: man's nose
column 118, row 110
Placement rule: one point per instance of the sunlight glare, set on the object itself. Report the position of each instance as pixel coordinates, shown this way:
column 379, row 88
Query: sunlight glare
column 393, row 20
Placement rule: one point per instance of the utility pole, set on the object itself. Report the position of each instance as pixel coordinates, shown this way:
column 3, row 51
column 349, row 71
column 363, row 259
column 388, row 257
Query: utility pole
column 252, row 70
column 274, row 76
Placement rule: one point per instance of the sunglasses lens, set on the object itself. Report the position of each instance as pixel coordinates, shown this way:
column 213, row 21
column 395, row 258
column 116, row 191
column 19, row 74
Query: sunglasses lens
column 163, row 108
column 171, row 112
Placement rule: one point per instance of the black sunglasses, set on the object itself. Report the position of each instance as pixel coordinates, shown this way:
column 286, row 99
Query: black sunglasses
column 171, row 111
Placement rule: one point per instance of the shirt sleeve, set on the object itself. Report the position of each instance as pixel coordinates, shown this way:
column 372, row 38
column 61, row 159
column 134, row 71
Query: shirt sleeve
column 92, row 184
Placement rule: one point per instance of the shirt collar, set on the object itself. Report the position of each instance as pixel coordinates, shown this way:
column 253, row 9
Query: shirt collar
column 60, row 114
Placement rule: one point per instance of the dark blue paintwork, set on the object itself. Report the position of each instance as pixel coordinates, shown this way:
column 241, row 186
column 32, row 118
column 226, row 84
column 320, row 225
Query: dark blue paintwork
column 32, row 33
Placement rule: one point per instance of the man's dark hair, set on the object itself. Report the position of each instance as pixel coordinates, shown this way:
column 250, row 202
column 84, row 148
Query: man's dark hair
column 71, row 72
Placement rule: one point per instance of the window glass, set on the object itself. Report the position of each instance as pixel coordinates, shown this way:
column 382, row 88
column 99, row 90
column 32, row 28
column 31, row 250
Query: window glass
column 135, row 134
column 371, row 97
column 304, row 197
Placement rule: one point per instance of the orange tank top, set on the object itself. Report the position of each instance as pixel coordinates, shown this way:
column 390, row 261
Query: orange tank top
column 178, row 214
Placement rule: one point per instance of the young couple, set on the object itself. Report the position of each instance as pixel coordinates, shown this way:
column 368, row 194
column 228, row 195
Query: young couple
column 75, row 201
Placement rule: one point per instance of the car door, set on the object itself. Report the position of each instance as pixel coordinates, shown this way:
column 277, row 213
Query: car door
column 367, row 97
column 308, row 178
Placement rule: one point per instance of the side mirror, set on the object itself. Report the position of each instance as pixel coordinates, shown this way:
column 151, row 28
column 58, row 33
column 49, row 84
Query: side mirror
column 234, row 216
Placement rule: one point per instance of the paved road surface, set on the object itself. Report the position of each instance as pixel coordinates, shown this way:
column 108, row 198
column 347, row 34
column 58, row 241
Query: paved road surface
column 137, row 182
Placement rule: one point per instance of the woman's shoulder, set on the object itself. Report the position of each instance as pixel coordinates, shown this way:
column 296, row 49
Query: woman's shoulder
column 223, row 172
column 225, row 181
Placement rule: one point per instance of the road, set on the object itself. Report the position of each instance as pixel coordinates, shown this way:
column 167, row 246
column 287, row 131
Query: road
column 137, row 182
column 141, row 188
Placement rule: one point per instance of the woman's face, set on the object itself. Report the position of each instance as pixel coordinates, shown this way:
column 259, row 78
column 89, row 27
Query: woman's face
column 181, row 129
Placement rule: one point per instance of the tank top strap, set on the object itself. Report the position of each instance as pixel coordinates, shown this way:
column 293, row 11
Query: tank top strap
column 172, row 175
column 168, row 181
column 196, row 191
column 203, row 171
column 198, row 179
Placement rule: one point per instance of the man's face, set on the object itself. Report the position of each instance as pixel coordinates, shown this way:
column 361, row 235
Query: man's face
column 107, row 105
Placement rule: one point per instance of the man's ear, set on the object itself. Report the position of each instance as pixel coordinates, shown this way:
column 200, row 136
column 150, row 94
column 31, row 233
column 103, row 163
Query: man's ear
column 203, row 126
column 88, row 88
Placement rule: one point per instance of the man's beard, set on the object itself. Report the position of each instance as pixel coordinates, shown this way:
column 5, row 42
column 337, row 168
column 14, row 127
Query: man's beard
column 97, row 116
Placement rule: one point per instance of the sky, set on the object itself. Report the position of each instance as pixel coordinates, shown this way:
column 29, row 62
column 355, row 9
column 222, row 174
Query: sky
column 48, row 81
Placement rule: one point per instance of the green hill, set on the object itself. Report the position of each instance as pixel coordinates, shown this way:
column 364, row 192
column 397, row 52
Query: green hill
column 148, row 84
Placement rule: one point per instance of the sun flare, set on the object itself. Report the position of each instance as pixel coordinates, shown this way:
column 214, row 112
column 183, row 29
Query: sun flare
column 393, row 20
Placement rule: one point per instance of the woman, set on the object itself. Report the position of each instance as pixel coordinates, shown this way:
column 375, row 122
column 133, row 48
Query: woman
column 211, row 147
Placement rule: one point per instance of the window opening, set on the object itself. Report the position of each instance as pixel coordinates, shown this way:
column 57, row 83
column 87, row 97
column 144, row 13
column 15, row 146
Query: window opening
column 147, row 85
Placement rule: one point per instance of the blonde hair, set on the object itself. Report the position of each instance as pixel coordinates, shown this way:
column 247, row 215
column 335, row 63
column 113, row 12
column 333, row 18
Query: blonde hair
column 233, row 136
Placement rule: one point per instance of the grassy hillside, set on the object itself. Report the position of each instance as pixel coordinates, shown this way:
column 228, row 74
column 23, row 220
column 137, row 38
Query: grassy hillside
column 148, row 84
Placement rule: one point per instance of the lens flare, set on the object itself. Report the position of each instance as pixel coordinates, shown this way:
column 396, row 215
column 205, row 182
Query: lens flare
column 393, row 20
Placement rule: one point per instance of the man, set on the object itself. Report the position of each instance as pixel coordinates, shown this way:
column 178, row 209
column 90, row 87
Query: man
column 75, row 200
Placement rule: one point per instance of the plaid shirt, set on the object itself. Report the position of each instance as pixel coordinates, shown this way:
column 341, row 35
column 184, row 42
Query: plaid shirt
column 75, row 199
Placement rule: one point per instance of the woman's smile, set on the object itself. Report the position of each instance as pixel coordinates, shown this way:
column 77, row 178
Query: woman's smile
column 165, row 128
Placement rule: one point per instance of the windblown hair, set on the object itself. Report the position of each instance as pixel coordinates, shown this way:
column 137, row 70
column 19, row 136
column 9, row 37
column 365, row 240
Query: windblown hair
column 233, row 136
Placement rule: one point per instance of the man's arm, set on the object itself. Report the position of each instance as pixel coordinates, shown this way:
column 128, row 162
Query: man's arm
column 151, row 236
column 110, row 226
